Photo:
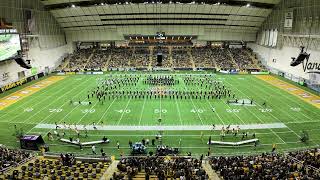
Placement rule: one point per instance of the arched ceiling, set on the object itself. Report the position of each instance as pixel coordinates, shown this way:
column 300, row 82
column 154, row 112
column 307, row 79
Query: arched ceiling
column 231, row 15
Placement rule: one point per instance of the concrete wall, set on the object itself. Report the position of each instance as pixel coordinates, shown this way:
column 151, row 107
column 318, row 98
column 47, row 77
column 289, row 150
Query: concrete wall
column 283, row 58
column 40, row 59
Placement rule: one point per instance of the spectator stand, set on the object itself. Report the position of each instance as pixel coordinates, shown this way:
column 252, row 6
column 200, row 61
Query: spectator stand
column 268, row 165
column 11, row 158
column 65, row 166
column 160, row 167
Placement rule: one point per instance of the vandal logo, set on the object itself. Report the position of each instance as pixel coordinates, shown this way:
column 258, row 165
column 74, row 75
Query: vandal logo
column 308, row 67
column 311, row 67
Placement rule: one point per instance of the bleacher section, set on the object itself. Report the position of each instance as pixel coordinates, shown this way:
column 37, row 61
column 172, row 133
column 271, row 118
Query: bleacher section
column 173, row 57
column 153, row 167
column 47, row 168
column 294, row 165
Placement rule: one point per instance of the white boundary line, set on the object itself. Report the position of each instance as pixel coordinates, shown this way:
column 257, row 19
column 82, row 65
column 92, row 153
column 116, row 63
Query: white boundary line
column 124, row 111
column 168, row 128
column 179, row 113
column 60, row 106
column 36, row 96
column 212, row 107
column 278, row 118
column 256, row 115
column 196, row 109
column 278, row 92
column 11, row 119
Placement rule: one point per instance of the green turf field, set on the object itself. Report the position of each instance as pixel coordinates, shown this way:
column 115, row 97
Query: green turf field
column 124, row 119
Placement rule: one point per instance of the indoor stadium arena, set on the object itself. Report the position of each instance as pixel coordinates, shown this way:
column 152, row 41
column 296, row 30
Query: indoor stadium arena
column 159, row 89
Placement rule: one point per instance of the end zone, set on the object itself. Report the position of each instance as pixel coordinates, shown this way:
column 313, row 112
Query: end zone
column 27, row 91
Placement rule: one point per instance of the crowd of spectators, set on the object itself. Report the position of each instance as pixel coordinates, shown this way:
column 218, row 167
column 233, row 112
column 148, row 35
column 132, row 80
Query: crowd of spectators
column 242, row 58
column 120, row 57
column 64, row 168
column 202, row 57
column 309, row 157
column 162, row 167
column 140, row 58
column 11, row 157
column 296, row 165
column 222, row 58
column 98, row 59
column 179, row 57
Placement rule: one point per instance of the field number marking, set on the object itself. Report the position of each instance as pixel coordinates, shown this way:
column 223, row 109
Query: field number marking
column 123, row 111
column 197, row 110
column 296, row 109
column 265, row 110
column 158, row 111
column 55, row 110
column 85, row 111
column 233, row 110
column 28, row 109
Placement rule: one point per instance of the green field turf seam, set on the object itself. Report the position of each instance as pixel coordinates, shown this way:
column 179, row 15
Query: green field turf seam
column 167, row 128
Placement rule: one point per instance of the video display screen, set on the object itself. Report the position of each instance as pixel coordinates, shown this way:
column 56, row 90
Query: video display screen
column 9, row 45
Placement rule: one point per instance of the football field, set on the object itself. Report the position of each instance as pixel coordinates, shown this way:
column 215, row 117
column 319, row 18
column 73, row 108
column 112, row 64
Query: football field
column 274, row 114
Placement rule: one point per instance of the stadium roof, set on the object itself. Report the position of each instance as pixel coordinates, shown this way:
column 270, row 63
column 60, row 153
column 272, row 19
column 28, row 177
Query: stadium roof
column 238, row 15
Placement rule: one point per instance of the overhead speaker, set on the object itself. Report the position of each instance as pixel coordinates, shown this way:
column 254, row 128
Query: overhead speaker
column 22, row 63
column 159, row 59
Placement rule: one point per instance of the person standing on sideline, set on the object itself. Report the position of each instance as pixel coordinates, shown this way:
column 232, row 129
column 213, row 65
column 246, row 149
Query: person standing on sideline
column 93, row 149
column 118, row 145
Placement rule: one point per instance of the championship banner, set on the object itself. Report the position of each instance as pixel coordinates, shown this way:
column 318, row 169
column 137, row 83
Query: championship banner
column 288, row 19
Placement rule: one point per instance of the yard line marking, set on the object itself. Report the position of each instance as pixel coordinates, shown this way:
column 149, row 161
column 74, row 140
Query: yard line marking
column 273, row 115
column 35, row 97
column 178, row 109
column 57, row 92
column 194, row 105
column 291, row 89
column 257, row 80
column 87, row 112
column 28, row 91
column 212, row 108
column 281, row 109
column 54, row 101
column 170, row 128
column 105, row 112
column 256, row 115
column 144, row 102
column 123, row 112
column 114, row 99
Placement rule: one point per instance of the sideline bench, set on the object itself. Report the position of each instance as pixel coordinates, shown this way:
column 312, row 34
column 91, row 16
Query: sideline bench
column 234, row 143
column 84, row 143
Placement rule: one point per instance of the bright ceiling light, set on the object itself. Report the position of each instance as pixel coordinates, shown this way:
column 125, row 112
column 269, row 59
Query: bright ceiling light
column 248, row 5
column 73, row 6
